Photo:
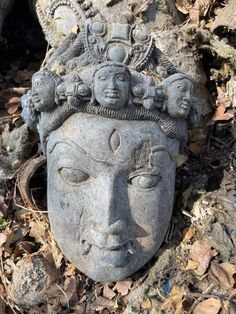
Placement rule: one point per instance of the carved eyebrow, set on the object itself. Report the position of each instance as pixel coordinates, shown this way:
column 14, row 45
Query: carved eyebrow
column 111, row 72
column 158, row 148
column 71, row 143
column 77, row 147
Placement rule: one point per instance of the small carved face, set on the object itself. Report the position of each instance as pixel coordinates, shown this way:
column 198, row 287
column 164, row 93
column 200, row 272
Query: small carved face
column 43, row 91
column 110, row 198
column 112, row 87
column 179, row 95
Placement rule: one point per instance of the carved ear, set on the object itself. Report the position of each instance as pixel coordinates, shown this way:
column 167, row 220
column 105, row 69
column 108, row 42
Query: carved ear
column 195, row 112
column 161, row 98
column 28, row 113
column 130, row 100
column 93, row 100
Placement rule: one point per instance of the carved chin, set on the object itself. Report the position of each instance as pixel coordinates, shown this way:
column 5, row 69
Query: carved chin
column 112, row 103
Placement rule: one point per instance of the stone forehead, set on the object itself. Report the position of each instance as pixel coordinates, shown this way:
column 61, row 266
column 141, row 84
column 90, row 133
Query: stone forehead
column 177, row 77
column 94, row 135
column 112, row 67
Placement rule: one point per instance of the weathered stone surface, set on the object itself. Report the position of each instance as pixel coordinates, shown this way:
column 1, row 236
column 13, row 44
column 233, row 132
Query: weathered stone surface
column 15, row 149
column 32, row 277
column 111, row 136
column 116, row 207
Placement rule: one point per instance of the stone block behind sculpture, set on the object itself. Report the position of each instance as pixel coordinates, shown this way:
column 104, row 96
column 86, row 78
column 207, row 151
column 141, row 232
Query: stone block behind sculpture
column 111, row 136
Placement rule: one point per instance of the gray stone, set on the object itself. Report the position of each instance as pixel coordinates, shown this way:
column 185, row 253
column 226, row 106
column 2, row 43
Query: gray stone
column 111, row 136
column 16, row 147
column 110, row 204
column 32, row 277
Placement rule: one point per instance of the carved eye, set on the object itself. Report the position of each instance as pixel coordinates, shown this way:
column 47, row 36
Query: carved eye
column 41, row 82
column 121, row 78
column 102, row 77
column 182, row 88
column 73, row 176
column 145, row 181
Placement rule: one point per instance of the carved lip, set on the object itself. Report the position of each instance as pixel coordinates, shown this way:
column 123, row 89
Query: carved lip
column 184, row 105
column 127, row 246
column 111, row 93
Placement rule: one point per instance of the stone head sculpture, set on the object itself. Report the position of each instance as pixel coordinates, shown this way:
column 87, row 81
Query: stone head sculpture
column 111, row 166
column 179, row 100
column 111, row 86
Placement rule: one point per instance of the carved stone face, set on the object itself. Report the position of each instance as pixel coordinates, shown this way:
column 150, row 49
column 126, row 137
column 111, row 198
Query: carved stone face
column 43, row 89
column 112, row 86
column 110, row 192
column 179, row 93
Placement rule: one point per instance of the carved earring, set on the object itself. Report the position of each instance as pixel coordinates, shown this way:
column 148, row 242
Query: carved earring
column 93, row 100
column 130, row 101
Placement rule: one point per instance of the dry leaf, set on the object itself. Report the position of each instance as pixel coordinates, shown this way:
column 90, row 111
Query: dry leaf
column 200, row 8
column 192, row 265
column 209, row 306
column 13, row 100
column 51, row 251
column 101, row 303
column 70, row 270
column 2, row 306
column 13, row 109
column 146, row 304
column 202, row 253
column 23, row 76
column 189, row 233
column 38, row 231
column 183, row 6
column 79, row 309
column 16, row 235
column 220, row 114
column 231, row 90
column 232, row 299
column 174, row 300
column 223, row 101
column 13, row 105
column 70, row 289
column 123, row 286
column 3, row 239
column 223, row 274
column 2, row 202
column 225, row 17
column 107, row 292
column 144, row 6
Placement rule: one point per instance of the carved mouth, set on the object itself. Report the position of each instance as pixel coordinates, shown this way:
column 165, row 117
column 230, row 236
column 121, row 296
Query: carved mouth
column 114, row 94
column 184, row 106
column 114, row 254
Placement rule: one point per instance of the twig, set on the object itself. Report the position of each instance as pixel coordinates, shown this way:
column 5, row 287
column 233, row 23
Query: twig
column 9, row 118
column 201, row 297
column 32, row 210
column 207, row 295
column 4, row 282
column 160, row 294
column 67, row 300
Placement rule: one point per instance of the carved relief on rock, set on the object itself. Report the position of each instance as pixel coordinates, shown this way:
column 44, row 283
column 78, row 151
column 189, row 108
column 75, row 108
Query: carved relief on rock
column 111, row 196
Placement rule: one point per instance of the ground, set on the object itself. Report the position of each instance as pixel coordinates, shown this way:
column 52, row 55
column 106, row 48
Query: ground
column 195, row 269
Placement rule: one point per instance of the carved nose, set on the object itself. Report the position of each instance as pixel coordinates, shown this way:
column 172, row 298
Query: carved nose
column 110, row 237
column 118, row 227
column 111, row 82
column 187, row 95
